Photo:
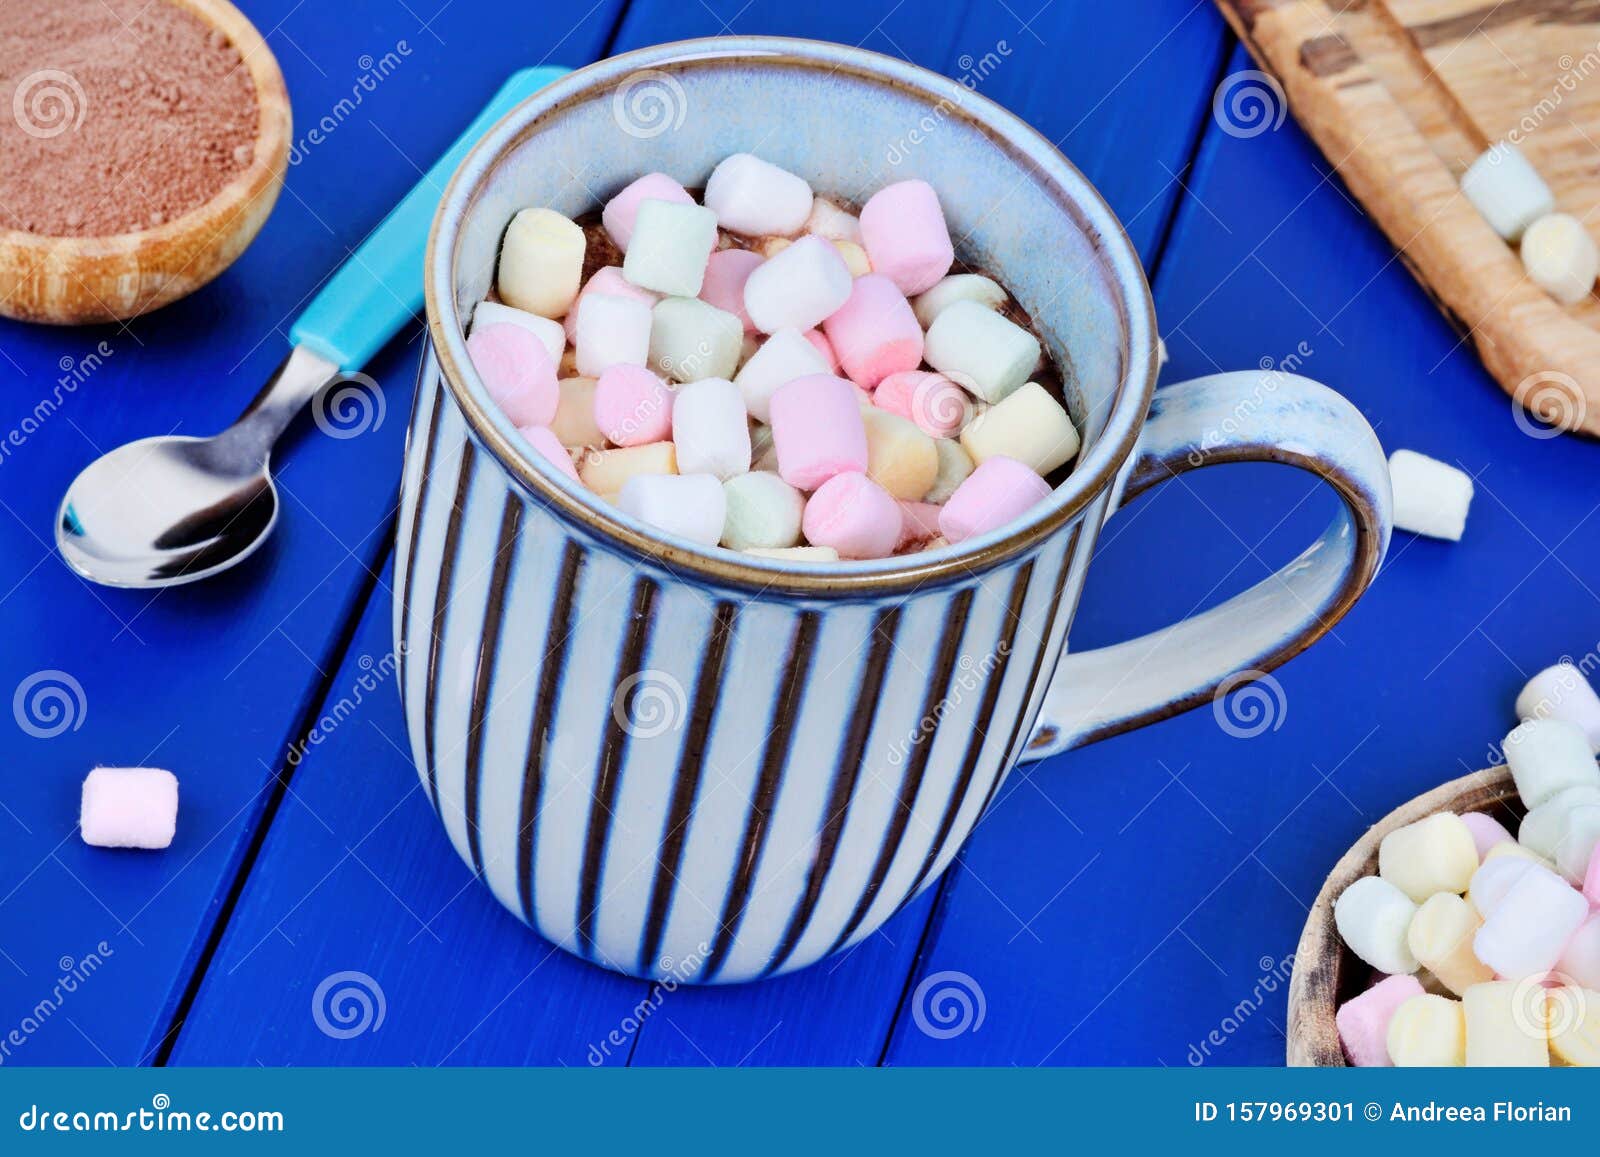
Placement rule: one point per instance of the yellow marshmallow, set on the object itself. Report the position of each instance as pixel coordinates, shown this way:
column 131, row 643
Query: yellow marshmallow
column 1440, row 937
column 1507, row 1025
column 1575, row 1027
column 900, row 457
column 541, row 262
column 1028, row 425
column 604, row 471
column 1428, row 1031
column 1436, row 854
column 574, row 422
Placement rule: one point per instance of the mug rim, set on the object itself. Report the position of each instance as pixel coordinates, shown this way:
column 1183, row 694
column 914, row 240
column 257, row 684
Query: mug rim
column 1095, row 470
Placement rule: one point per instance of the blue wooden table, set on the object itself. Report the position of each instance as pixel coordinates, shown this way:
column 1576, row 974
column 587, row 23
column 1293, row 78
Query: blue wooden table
column 1135, row 902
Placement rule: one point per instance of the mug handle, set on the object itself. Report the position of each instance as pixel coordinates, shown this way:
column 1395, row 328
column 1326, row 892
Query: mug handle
column 1234, row 417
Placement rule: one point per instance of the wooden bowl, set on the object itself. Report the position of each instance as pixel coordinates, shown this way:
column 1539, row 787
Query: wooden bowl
column 1326, row 973
column 75, row 280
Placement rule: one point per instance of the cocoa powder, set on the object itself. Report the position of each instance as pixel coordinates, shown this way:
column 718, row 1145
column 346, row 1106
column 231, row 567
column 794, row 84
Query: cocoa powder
column 116, row 115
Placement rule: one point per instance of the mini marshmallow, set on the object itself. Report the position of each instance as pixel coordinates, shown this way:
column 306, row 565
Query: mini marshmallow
column 670, row 247
column 1523, row 935
column 955, row 466
column 874, row 332
column 608, row 280
column 763, row 512
column 607, row 471
column 632, row 406
column 938, row 406
column 782, row 358
column 1440, row 937
column 1028, row 425
column 998, row 491
column 726, row 274
column 1487, row 832
column 958, row 287
column 1541, row 829
column 541, row 262
column 817, row 430
column 1560, row 257
column 1580, row 836
column 547, row 330
column 1575, row 1026
column 854, row 515
column 987, row 354
column 1493, row 880
column 855, row 258
column 549, row 447
column 796, row 553
column 690, row 339
column 1427, row 1031
column 904, row 232
column 754, row 198
column 1562, row 692
column 919, row 523
column 1547, row 756
column 1373, row 917
column 1436, row 854
column 797, row 288
column 711, row 429
column 517, row 371
column 830, row 221
column 574, row 422
column 819, row 342
column 1507, row 190
column 129, row 807
column 1430, row 497
column 900, row 457
column 612, row 331
column 1363, row 1021
column 622, row 211
column 688, row 505
column 1580, row 957
column 1507, row 1025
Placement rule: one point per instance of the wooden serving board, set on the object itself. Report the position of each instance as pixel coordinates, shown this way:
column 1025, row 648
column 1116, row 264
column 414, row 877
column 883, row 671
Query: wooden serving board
column 1402, row 95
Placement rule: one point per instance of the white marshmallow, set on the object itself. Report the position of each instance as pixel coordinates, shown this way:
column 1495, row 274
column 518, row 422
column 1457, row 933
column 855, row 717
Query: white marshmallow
column 1561, row 692
column 129, row 807
column 612, row 331
column 1560, row 257
column 763, row 513
column 541, row 262
column 754, row 198
column 1580, row 832
column 955, row 464
column 986, row 354
column 1523, row 935
column 1373, row 917
column 1547, row 756
column 1507, row 1025
column 1493, row 880
column 973, row 287
column 782, row 358
column 797, row 553
column 547, row 330
column 1028, row 425
column 1507, row 190
column 688, row 505
column 1430, row 497
column 1542, row 827
column 1436, row 854
column 690, row 340
column 798, row 287
column 670, row 246
column 710, row 429
column 830, row 221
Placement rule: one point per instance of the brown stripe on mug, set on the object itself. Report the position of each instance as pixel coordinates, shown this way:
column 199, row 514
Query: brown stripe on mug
column 478, row 718
column 441, row 609
column 403, row 646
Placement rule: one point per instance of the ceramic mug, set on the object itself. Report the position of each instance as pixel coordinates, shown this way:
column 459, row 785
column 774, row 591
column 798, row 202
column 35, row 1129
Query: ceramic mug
column 704, row 765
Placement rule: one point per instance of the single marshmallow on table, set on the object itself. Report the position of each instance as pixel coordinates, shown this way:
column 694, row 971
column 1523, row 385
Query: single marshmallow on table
column 632, row 406
column 541, row 262
column 612, row 331
column 711, row 429
column 1560, row 257
column 854, row 515
column 1487, row 832
column 1430, row 497
column 987, row 354
column 830, row 221
column 606, row 471
column 782, row 358
column 1562, row 692
column 1542, row 828
column 763, row 513
column 1580, row 957
column 874, row 332
column 727, row 271
column 517, row 371
column 798, row 288
column 817, row 430
column 129, row 807
column 1373, row 918
column 1507, row 190
column 1547, row 756
column 690, row 339
column 904, row 233
column 1435, row 854
column 1028, row 425
column 958, row 287
column 1523, row 935
column 670, row 247
column 796, row 553
column 547, row 330
column 1363, row 1021
column 998, row 491
column 955, row 466
column 1580, row 835
column 1427, row 1031
column 574, row 422
column 938, row 406
column 690, row 506
column 900, row 457
column 1440, row 937
column 1507, row 1025
column 755, row 198
column 549, row 447
column 608, row 280
column 1575, row 1027
column 622, row 211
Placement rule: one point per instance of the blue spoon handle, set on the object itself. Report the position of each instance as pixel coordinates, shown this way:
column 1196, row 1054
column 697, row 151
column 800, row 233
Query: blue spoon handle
column 379, row 288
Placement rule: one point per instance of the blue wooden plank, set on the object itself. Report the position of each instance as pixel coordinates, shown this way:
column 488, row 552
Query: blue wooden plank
column 1198, row 850
column 213, row 680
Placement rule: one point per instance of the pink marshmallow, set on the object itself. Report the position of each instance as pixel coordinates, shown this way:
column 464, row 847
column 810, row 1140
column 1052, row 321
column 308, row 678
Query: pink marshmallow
column 1486, row 832
column 999, row 490
column 622, row 211
column 723, row 287
column 854, row 515
column 919, row 522
column 517, row 371
column 1363, row 1021
column 607, row 280
column 938, row 406
column 129, row 807
column 875, row 331
column 905, row 236
column 543, row 440
column 632, row 406
column 823, row 346
column 1591, row 878
column 817, row 431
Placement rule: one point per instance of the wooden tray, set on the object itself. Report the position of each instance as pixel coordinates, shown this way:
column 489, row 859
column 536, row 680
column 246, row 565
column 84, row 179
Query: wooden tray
column 1402, row 95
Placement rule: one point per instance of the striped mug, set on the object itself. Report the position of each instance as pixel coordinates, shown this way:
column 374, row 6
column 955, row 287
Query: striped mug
column 705, row 765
